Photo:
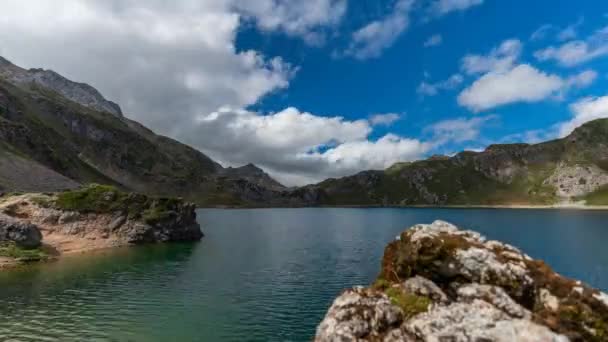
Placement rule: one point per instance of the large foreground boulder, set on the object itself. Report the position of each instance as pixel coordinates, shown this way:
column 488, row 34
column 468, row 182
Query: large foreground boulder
column 23, row 234
column 439, row 283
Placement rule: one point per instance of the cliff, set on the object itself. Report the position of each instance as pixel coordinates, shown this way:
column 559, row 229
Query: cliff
column 35, row 226
column 439, row 283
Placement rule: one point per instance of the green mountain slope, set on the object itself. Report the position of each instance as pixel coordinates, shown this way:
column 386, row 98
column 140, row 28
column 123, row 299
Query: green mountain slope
column 44, row 124
column 571, row 169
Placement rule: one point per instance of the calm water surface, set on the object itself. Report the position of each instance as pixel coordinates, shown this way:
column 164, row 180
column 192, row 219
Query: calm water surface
column 259, row 275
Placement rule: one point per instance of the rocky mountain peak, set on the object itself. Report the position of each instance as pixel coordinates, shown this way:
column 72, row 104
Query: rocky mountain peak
column 80, row 93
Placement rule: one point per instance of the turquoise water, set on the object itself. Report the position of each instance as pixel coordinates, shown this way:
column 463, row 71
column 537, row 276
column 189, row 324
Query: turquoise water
column 259, row 275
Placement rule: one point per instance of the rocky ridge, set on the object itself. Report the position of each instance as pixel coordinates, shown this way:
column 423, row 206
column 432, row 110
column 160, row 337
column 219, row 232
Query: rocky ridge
column 80, row 93
column 439, row 283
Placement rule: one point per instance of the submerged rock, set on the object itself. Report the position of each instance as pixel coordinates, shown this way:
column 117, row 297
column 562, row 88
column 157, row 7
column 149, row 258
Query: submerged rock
column 446, row 284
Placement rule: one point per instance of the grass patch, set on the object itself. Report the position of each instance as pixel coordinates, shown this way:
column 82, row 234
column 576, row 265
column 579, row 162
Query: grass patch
column 598, row 197
column 11, row 250
column 409, row 303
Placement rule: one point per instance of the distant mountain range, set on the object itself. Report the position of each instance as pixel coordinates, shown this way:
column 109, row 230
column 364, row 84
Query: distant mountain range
column 57, row 134
column 566, row 170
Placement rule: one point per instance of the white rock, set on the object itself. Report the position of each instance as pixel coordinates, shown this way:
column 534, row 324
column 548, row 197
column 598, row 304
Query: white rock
column 495, row 296
column 476, row 321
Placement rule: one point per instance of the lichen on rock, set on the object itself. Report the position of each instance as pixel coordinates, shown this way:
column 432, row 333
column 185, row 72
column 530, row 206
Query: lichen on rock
column 473, row 290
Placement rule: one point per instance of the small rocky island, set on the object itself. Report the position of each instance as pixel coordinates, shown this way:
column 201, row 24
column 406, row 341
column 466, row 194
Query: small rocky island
column 439, row 283
column 36, row 227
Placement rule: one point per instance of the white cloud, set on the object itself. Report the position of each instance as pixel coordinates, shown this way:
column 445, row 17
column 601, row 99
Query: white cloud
column 306, row 19
column 431, row 89
column 443, row 7
column 542, row 32
column 323, row 146
column 522, row 83
column 384, row 119
column 571, row 31
column 582, row 80
column 434, row 40
column 577, row 52
column 372, row 39
column 458, row 130
column 585, row 110
column 163, row 62
column 500, row 58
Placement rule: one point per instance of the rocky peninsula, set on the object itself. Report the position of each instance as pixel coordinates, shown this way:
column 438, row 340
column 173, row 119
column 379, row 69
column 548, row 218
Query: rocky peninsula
column 440, row 283
column 37, row 226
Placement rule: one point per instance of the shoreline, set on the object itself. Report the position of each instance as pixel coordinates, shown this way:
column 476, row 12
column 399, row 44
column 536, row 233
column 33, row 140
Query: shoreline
column 570, row 207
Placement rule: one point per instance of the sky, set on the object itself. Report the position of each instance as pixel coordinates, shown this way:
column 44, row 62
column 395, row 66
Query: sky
column 314, row 89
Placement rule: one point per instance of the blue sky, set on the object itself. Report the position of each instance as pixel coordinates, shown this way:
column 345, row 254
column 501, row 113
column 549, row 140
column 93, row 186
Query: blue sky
column 327, row 88
column 388, row 84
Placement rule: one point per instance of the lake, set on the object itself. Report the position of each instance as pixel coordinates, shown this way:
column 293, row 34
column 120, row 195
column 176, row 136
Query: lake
column 260, row 275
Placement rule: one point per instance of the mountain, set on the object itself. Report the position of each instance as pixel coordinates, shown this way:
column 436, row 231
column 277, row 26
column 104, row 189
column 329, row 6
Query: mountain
column 571, row 169
column 57, row 134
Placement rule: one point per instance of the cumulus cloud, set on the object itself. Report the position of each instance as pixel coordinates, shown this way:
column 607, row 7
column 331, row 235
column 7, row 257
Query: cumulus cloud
column 431, row 89
column 163, row 62
column 305, row 19
column 443, row 7
column 577, row 52
column 500, row 58
column 372, row 39
column 171, row 65
column 522, row 83
column 384, row 119
column 585, row 110
column 299, row 147
column 504, row 80
column 434, row 40
column 458, row 130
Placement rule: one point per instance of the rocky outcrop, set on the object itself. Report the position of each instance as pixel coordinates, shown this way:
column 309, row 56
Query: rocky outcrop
column 439, row 283
column 577, row 180
column 95, row 217
column 23, row 234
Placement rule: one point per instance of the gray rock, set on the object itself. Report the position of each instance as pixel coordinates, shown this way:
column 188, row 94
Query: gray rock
column 24, row 234
column 360, row 314
column 69, row 216
column 423, row 287
column 493, row 295
column 476, row 321
column 80, row 93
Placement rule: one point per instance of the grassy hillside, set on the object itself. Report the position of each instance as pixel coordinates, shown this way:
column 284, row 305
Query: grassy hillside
column 502, row 174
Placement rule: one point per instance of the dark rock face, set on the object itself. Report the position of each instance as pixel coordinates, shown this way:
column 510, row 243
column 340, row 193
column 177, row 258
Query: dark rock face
column 181, row 225
column 24, row 234
column 439, row 283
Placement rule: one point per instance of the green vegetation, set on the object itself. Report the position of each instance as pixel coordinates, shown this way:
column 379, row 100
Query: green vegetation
column 96, row 198
column 11, row 250
column 410, row 304
column 598, row 197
